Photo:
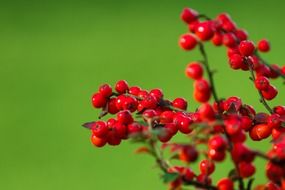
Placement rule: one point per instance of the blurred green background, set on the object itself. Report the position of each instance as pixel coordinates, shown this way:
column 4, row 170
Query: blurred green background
column 54, row 55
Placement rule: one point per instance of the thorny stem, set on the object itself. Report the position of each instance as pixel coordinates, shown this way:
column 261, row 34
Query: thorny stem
column 262, row 100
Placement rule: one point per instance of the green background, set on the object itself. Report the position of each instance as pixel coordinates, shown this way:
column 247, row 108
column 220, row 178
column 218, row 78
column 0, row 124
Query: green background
column 54, row 55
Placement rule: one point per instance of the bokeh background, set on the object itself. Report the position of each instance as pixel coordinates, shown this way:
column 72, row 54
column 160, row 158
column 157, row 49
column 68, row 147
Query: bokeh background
column 54, row 55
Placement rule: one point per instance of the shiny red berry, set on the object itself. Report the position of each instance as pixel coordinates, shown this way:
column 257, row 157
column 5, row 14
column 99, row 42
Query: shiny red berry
column 98, row 142
column 246, row 47
column 194, row 70
column 188, row 41
column 205, row 30
column 105, row 90
column 98, row 100
column 122, row 86
column 261, row 83
column 207, row 167
column 100, row 129
column 125, row 117
column 180, row 103
column 270, row 93
column 263, row 45
column 225, row 184
column 189, row 15
column 246, row 169
column 236, row 61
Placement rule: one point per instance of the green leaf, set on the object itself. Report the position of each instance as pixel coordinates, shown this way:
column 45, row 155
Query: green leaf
column 169, row 177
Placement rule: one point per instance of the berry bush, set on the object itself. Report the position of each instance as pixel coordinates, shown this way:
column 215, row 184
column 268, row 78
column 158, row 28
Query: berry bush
column 218, row 128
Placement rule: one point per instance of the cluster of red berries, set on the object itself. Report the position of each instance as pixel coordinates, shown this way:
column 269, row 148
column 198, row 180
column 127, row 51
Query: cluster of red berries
column 222, row 126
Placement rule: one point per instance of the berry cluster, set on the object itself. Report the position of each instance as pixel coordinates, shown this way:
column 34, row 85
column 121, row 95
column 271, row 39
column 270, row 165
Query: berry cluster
column 221, row 127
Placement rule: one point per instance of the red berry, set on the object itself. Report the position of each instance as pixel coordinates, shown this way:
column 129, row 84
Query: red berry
column 125, row 117
column 165, row 135
column 233, row 126
column 183, row 124
column 112, row 107
column 246, row 169
column 260, row 131
column 232, row 102
column 134, row 129
column 272, row 186
column 215, row 155
column 204, row 179
column 261, row 83
column 130, row 103
column 113, row 138
column 274, row 172
column 99, row 142
column 188, row 41
column 188, row 154
column 263, row 45
column 279, row 110
column 217, row 39
column 246, row 123
column 105, row 90
column 202, row 86
column 98, row 100
column 225, row 184
column 241, row 152
column 120, row 130
column 217, row 142
column 270, row 93
column 180, row 103
column 205, row 30
column 188, row 174
column 166, row 117
column 278, row 132
column 100, row 129
column 149, row 102
column 194, row 70
column 202, row 97
column 189, row 15
column 206, row 112
column 246, row 47
column 157, row 93
column 135, row 90
column 236, row 61
column 207, row 167
column 122, row 86
column 273, row 121
column 241, row 34
column 229, row 40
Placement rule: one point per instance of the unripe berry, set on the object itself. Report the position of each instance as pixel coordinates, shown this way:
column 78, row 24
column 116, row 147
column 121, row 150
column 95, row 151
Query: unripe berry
column 98, row 142
column 189, row 15
column 207, row 167
column 188, row 41
column 261, row 83
column 263, row 45
column 180, row 103
column 122, row 86
column 246, row 47
column 98, row 100
column 194, row 70
column 205, row 30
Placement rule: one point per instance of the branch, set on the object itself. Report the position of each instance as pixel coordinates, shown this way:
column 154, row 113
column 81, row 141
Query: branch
column 262, row 100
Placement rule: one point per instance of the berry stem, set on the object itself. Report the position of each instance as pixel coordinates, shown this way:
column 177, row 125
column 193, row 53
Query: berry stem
column 268, row 65
column 262, row 100
column 208, row 70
